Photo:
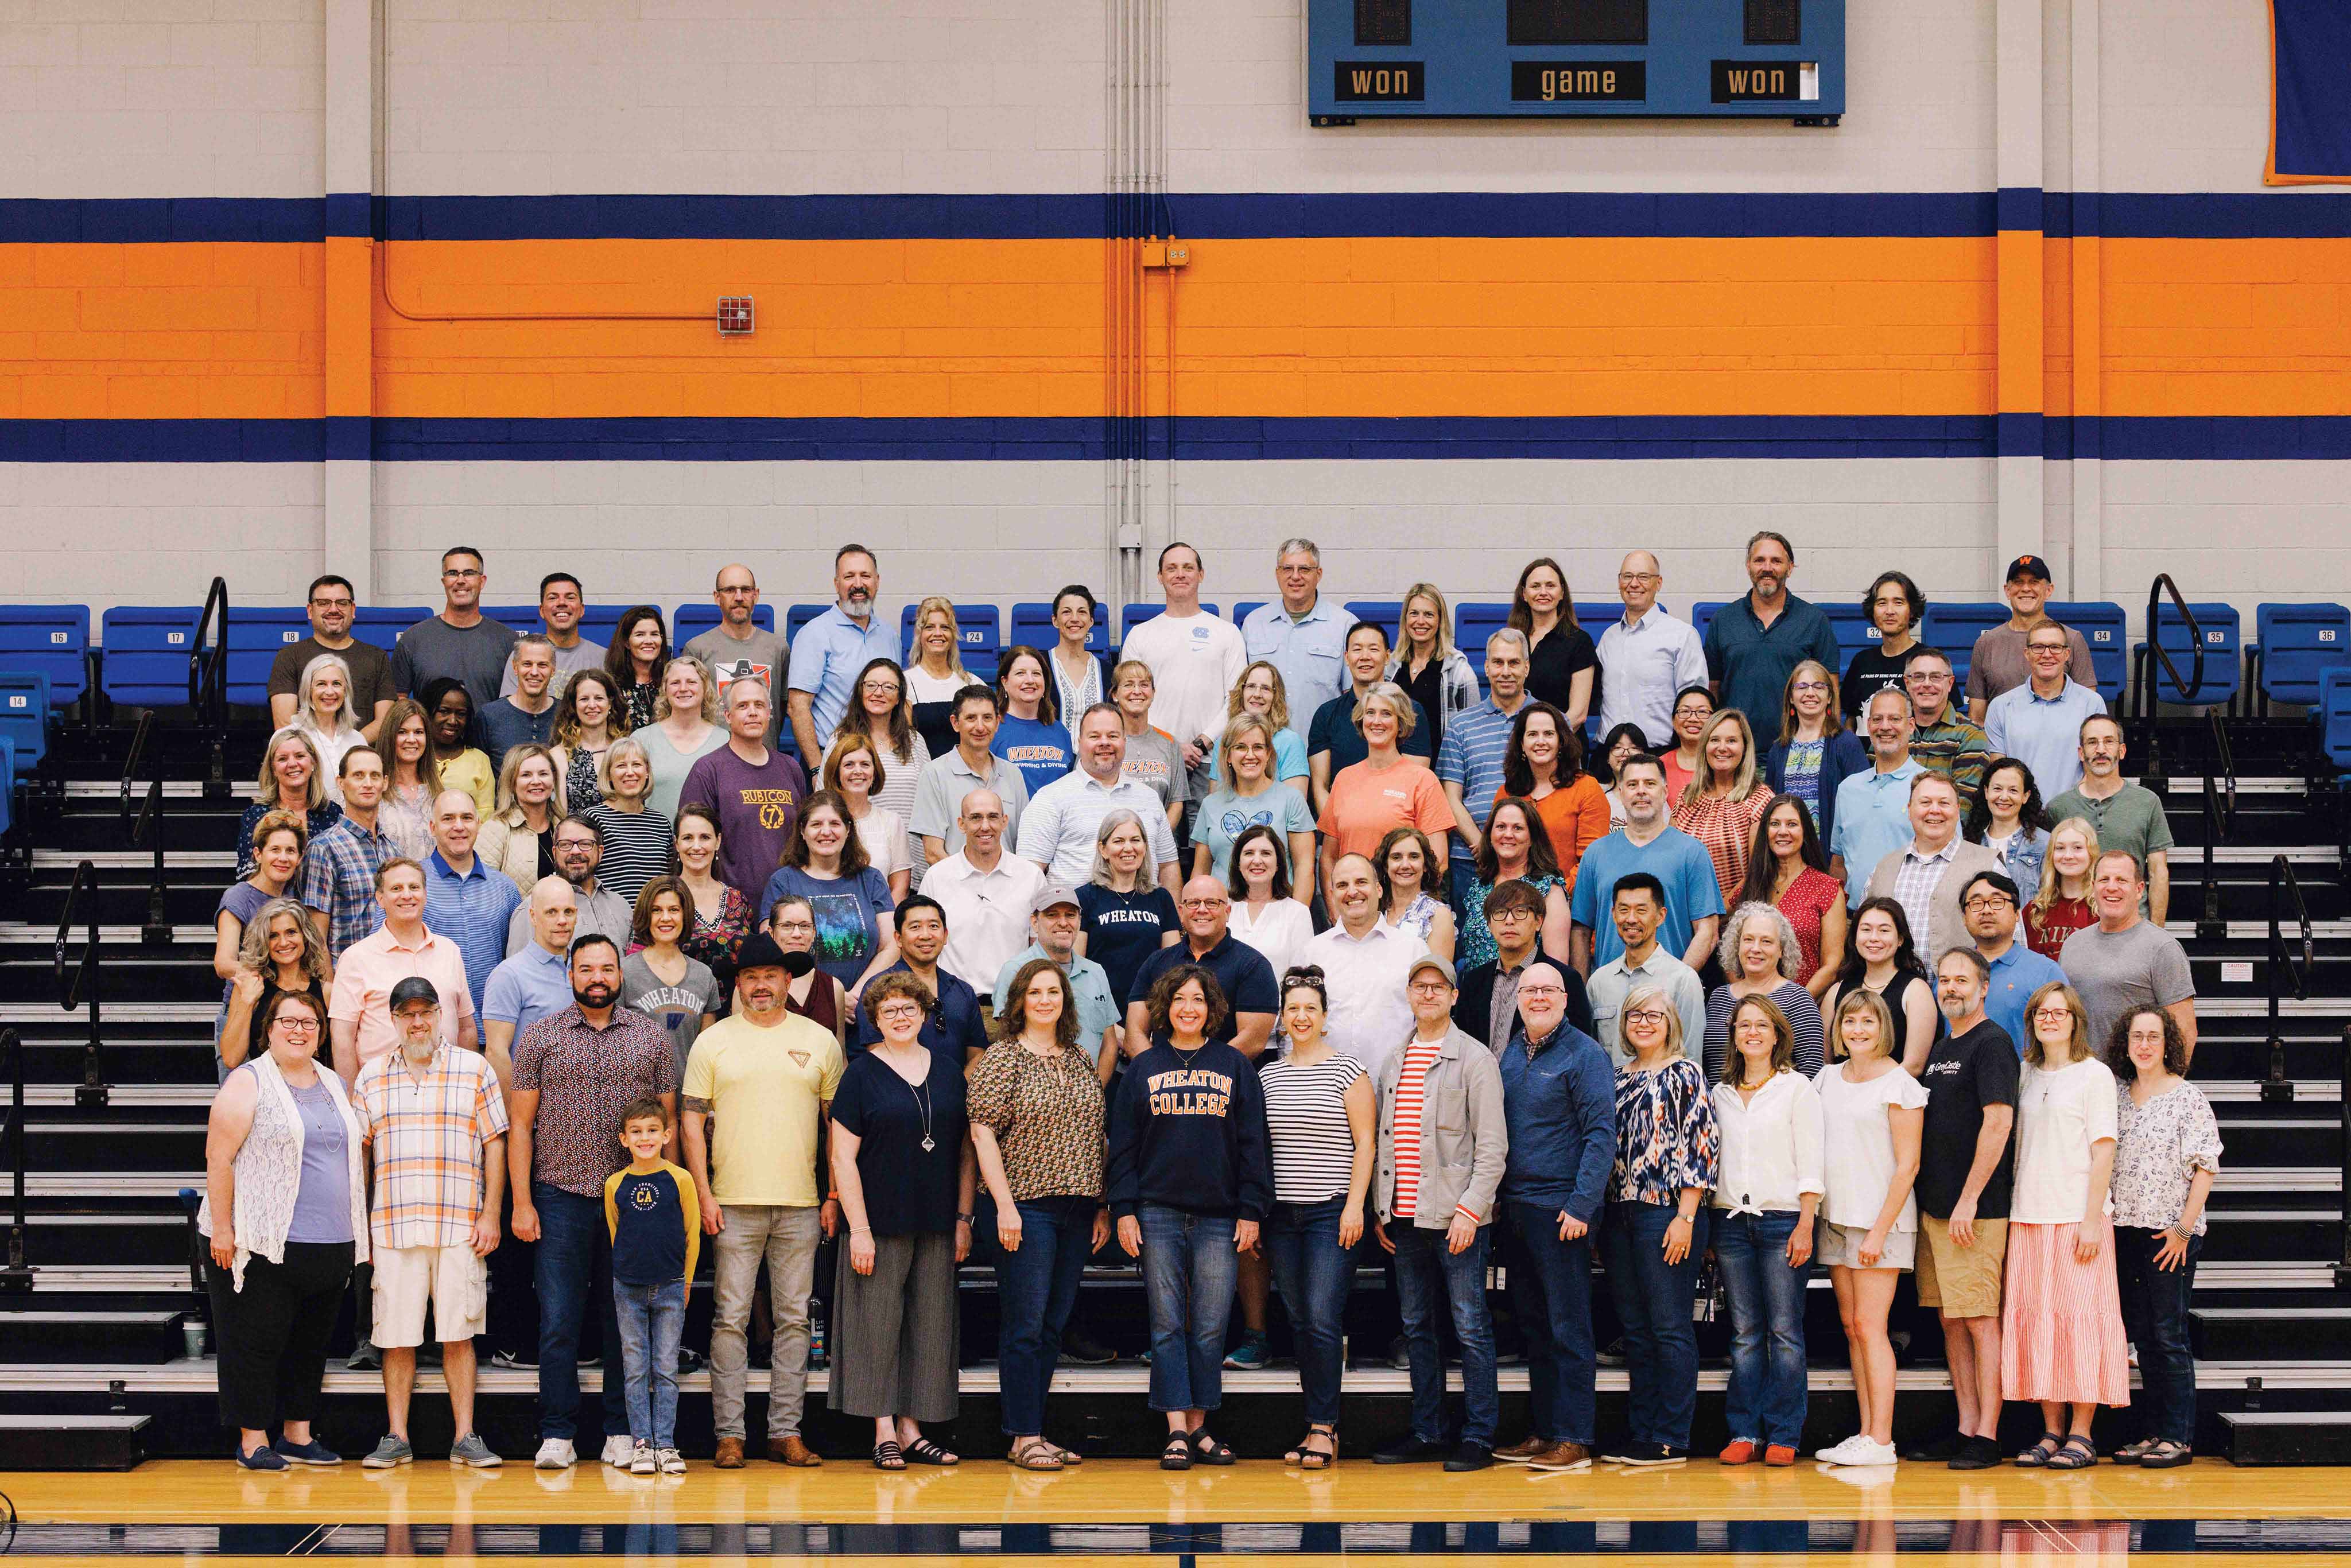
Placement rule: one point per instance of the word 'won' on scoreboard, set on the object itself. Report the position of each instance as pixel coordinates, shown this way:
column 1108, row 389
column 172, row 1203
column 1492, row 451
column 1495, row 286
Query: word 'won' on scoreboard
column 1544, row 59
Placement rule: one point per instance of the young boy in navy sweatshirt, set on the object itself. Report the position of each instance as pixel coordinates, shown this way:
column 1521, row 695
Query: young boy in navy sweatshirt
column 655, row 1220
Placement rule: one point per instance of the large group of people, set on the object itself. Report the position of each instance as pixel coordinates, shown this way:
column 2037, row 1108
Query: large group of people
column 1260, row 957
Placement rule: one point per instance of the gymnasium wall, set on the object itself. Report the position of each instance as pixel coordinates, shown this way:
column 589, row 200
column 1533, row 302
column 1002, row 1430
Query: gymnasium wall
column 2029, row 294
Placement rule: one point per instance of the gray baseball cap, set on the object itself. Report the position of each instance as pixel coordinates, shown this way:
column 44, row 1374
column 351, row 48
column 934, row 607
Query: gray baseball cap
column 1052, row 895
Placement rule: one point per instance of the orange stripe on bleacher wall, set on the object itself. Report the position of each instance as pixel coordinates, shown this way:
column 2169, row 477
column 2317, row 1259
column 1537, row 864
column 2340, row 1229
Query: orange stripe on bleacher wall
column 1279, row 328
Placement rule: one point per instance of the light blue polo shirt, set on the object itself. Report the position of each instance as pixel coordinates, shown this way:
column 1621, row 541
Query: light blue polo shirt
column 2015, row 976
column 1310, row 651
column 2043, row 733
column 1675, row 859
column 1098, row 1009
column 826, row 657
column 532, row 985
column 1477, row 743
column 471, row 911
column 1873, row 820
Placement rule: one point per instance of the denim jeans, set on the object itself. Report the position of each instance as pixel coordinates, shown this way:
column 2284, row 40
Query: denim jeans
column 2154, row 1311
column 1430, row 1279
column 1551, row 1292
column 1313, row 1273
column 652, row 1318
column 573, row 1267
column 1035, row 1288
column 1768, row 1388
column 1189, row 1267
column 1653, row 1303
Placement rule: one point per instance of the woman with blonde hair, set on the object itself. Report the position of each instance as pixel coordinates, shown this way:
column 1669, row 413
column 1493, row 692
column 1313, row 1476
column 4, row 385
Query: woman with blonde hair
column 853, row 771
column 1386, row 789
column 1430, row 669
column 2061, row 1314
column 1814, row 753
column 589, row 717
column 1872, row 1116
column 934, row 673
column 1246, row 796
column 1724, row 804
column 2062, row 905
column 638, row 843
column 291, row 780
column 412, row 780
column 519, row 837
column 280, row 951
column 323, row 711
column 1260, row 693
column 685, row 730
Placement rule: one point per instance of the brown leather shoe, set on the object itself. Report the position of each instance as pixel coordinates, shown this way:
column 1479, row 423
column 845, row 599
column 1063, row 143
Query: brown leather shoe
column 1519, row 1453
column 792, row 1451
column 1561, row 1457
column 730, row 1454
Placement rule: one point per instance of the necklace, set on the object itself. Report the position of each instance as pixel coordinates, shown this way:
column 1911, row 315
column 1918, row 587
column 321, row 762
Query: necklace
column 922, row 1096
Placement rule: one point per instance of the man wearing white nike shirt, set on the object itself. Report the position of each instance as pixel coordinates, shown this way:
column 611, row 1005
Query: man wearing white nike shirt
column 1195, row 659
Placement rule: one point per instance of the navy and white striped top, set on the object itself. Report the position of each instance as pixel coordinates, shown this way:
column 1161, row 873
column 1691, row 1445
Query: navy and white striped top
column 1306, row 1116
column 637, row 849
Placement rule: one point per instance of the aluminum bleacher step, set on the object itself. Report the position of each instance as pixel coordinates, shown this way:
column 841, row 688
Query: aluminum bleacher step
column 97, row 1442
column 44, row 1335
column 2288, row 1437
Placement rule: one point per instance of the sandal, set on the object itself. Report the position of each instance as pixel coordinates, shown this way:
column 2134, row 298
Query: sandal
column 1069, row 1456
column 1208, row 1452
column 1307, row 1458
column 1177, row 1454
column 2133, row 1453
column 923, row 1451
column 2076, row 1453
column 1034, row 1454
column 2167, row 1454
column 2038, row 1456
column 889, row 1457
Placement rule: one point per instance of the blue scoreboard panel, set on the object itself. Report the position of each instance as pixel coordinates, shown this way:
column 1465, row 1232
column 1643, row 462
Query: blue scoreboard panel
column 1544, row 59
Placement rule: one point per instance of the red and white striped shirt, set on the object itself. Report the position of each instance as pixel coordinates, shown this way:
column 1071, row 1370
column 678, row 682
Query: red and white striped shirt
column 1411, row 1088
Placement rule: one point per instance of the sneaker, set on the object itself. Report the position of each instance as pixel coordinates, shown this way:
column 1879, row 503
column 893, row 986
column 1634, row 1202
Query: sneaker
column 1975, row 1454
column 1082, row 1349
column 557, row 1454
column 364, row 1358
column 264, row 1458
column 388, row 1453
column 313, row 1452
column 1651, row 1455
column 642, row 1461
column 689, row 1361
column 474, row 1454
column 517, row 1360
column 1408, row 1450
column 1252, row 1354
column 1842, row 1453
column 671, row 1462
column 1614, row 1356
column 1470, row 1455
column 619, row 1451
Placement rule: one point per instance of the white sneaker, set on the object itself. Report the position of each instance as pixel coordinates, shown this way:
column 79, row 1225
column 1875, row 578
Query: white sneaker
column 672, row 1463
column 1846, row 1453
column 1883, row 1454
column 642, row 1461
column 619, row 1452
column 555, row 1454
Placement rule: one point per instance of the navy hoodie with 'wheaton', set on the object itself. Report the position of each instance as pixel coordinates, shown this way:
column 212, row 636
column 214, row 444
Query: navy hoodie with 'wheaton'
column 1188, row 1132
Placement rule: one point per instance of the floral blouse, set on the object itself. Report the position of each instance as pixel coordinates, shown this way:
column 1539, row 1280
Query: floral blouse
column 1474, row 942
column 1666, row 1135
column 1047, row 1116
column 2160, row 1146
column 1419, row 916
column 715, row 942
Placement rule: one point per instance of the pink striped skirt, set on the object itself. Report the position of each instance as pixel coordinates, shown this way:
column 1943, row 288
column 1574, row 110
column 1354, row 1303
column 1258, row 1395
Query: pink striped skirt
column 2061, row 1321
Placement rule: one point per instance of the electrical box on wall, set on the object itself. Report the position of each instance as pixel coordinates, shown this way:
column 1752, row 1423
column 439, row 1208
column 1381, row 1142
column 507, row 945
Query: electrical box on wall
column 734, row 315
column 1567, row 59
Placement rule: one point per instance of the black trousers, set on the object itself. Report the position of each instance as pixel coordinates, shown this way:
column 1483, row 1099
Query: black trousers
column 273, row 1334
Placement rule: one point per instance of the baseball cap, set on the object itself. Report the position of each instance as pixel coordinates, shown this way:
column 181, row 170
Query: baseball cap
column 1431, row 961
column 414, row 988
column 1051, row 893
column 2029, row 566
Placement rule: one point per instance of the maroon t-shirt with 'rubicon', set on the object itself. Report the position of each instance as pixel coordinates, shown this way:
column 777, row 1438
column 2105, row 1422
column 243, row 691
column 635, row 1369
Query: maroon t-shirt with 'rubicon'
column 756, row 807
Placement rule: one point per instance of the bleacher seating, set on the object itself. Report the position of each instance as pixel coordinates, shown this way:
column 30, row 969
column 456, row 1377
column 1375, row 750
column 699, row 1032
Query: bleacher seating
column 1596, row 615
column 2103, row 626
column 691, row 621
column 1385, row 612
column 976, row 632
column 256, row 633
column 381, row 625
column 2294, row 645
column 1242, row 609
column 145, row 658
column 1033, row 622
column 25, row 719
column 799, row 615
column 1475, row 622
column 8, row 785
column 2222, row 674
column 53, row 639
column 1954, row 626
column 1702, row 615
column 2334, row 718
column 1855, row 630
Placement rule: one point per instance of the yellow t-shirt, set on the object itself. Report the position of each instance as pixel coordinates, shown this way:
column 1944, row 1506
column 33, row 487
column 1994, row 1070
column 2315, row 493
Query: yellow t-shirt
column 470, row 770
column 767, row 1089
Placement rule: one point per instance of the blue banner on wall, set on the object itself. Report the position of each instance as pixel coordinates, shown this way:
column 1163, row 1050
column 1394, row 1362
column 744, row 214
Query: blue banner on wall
column 2310, row 107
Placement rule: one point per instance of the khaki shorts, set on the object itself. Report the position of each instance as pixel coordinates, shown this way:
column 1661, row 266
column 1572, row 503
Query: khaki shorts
column 1963, row 1281
column 454, row 1279
column 1840, row 1248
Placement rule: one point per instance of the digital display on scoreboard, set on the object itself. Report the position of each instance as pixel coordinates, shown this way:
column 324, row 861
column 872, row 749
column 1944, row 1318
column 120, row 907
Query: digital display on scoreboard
column 1575, row 59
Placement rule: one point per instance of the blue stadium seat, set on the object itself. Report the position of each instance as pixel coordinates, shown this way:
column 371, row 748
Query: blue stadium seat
column 1475, row 622
column 513, row 616
column 381, row 625
column 1136, row 614
column 1032, row 623
column 799, row 615
column 2103, row 626
column 2334, row 717
column 2222, row 676
column 688, row 621
column 1702, row 615
column 1596, row 615
column 976, row 631
column 1386, row 612
column 145, row 662
column 255, row 635
column 1954, row 627
column 8, row 785
column 1242, row 609
column 1855, row 631
column 2295, row 646
column 599, row 621
column 53, row 639
column 25, row 720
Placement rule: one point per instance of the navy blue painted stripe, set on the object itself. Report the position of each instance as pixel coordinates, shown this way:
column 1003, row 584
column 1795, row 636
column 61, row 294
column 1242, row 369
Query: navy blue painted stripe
column 160, row 220
column 1197, row 440
column 2022, row 207
column 349, row 214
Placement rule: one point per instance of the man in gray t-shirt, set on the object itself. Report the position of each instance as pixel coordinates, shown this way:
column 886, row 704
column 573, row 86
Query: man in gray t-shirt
column 460, row 641
column 2125, row 963
column 737, row 649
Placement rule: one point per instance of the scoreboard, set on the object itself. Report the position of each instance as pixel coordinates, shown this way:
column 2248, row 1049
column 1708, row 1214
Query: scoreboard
column 1546, row 60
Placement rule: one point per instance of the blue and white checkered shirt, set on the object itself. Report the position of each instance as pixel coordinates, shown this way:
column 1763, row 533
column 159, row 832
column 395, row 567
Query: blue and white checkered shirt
column 338, row 880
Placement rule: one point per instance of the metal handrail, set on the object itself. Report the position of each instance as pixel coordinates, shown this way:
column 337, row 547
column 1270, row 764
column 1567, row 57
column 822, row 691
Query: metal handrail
column 85, row 984
column 16, row 1276
column 148, row 827
column 2220, row 822
column 2278, row 1087
column 2157, row 653
column 208, row 684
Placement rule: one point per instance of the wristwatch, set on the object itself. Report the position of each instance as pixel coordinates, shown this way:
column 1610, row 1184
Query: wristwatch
column 966, row 1218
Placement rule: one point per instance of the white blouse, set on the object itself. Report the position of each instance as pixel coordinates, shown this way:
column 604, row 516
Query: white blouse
column 1857, row 1144
column 883, row 835
column 2059, row 1115
column 1772, row 1145
column 1278, row 933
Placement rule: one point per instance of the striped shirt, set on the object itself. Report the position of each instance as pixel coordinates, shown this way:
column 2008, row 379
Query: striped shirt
column 1915, row 882
column 429, row 1136
column 1411, row 1087
column 1057, row 831
column 338, row 880
column 637, row 849
column 1475, row 743
column 1306, row 1116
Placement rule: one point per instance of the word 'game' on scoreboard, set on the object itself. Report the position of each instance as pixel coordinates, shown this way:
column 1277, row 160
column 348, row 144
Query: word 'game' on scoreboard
column 1749, row 59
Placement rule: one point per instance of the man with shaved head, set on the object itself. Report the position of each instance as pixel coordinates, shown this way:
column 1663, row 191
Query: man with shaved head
column 1241, row 972
column 536, row 981
column 466, row 901
column 1647, row 655
column 739, row 648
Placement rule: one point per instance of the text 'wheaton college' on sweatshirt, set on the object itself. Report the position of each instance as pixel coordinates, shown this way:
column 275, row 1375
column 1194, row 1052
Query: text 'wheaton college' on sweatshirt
column 1188, row 1132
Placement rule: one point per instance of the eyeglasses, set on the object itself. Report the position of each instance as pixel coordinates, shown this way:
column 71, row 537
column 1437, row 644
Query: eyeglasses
column 2053, row 1015
column 899, row 1009
column 881, row 689
column 1638, row 578
column 332, row 604
column 2048, row 648
column 1988, row 901
column 1926, row 677
column 299, row 1026
column 1543, row 990
column 1646, row 1016
column 468, row 575
column 1810, row 687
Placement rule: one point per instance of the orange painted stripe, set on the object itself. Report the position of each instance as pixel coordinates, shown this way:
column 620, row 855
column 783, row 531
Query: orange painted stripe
column 2022, row 309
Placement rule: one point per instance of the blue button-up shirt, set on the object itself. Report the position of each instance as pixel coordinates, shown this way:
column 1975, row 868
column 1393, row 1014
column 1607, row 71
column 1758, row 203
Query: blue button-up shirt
column 2015, row 976
column 532, row 985
column 1471, row 755
column 955, row 1028
column 1561, row 1110
column 471, row 911
column 1754, row 661
column 826, row 658
column 1643, row 663
column 2043, row 733
column 1873, row 820
column 1098, row 1009
column 1310, row 651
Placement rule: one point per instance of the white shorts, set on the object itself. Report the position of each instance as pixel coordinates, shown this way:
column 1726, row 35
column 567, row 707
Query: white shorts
column 454, row 1279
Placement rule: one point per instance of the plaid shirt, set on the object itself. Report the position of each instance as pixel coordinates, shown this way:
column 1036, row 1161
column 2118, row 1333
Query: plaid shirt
column 429, row 1137
column 338, row 880
column 1915, row 882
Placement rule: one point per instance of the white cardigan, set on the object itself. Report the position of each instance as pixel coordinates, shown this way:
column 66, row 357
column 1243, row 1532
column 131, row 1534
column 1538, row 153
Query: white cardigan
column 268, row 1170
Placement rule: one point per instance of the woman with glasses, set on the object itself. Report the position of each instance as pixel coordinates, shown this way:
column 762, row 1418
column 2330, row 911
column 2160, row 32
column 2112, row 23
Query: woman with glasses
column 815, row 996
column 884, row 718
column 1260, row 694
column 1815, row 753
column 1685, row 760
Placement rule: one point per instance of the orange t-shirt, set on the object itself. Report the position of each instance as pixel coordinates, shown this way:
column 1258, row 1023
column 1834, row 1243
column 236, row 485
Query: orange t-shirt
column 1575, row 817
column 1364, row 805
